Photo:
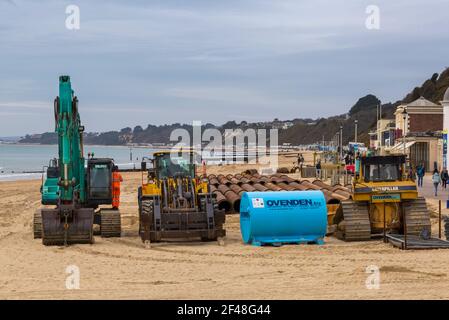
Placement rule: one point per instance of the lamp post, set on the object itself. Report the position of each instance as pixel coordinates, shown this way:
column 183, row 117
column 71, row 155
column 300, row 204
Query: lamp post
column 355, row 128
column 341, row 142
column 404, row 117
column 337, row 145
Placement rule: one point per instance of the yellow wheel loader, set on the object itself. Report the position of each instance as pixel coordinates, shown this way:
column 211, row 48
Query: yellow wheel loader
column 174, row 202
column 383, row 199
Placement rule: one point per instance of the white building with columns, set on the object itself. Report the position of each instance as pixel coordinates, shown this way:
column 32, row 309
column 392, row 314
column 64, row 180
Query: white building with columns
column 445, row 104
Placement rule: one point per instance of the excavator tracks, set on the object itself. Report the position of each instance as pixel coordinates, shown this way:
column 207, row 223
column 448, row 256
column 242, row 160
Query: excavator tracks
column 417, row 217
column 37, row 224
column 357, row 225
column 111, row 225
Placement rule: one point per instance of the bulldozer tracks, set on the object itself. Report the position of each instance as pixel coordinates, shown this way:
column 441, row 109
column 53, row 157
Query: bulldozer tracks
column 356, row 220
column 417, row 217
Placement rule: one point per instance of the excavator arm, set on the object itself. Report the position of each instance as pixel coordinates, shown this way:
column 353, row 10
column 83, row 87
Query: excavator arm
column 70, row 132
column 72, row 219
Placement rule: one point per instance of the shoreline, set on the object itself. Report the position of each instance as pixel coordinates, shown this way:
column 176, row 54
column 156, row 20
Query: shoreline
column 20, row 177
column 85, row 144
column 36, row 174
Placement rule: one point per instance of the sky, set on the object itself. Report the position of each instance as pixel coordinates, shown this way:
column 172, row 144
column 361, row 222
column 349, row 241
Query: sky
column 139, row 62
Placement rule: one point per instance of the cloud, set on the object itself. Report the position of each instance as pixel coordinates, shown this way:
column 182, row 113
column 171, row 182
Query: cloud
column 10, row 2
column 228, row 96
column 141, row 62
column 26, row 105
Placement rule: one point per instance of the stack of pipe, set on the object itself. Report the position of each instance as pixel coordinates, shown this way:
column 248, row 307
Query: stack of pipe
column 228, row 189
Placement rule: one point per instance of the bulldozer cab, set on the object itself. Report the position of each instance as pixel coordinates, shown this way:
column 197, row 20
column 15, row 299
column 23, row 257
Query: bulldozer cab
column 384, row 200
column 381, row 169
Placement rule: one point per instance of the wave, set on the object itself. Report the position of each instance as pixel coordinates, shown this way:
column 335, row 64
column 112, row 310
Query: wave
column 19, row 176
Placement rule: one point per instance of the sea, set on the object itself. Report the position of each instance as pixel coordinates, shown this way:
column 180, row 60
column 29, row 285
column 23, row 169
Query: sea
column 22, row 162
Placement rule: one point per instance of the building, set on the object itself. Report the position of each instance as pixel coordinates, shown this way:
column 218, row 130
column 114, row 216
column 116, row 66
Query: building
column 445, row 104
column 384, row 136
column 287, row 125
column 422, row 116
column 418, row 132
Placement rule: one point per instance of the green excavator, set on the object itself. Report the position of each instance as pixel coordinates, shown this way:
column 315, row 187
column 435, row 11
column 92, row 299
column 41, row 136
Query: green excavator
column 78, row 186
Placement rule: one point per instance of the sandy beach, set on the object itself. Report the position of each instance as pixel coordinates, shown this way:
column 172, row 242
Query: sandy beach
column 124, row 269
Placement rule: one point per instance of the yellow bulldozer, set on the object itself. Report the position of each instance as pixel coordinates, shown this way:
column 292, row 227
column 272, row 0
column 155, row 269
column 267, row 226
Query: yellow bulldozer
column 174, row 202
column 384, row 200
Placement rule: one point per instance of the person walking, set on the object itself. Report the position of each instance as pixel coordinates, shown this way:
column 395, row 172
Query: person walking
column 420, row 172
column 444, row 178
column 411, row 173
column 357, row 164
column 300, row 161
column 436, row 179
column 318, row 169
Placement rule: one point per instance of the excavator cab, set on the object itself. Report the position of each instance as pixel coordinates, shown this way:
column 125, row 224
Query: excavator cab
column 99, row 181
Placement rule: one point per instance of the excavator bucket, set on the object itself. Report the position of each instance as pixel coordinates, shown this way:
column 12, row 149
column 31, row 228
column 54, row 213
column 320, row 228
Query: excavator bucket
column 77, row 229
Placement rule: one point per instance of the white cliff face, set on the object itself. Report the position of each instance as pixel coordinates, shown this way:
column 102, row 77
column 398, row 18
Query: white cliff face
column 446, row 96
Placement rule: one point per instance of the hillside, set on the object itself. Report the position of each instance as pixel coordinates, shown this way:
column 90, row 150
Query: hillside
column 365, row 112
column 296, row 131
column 432, row 89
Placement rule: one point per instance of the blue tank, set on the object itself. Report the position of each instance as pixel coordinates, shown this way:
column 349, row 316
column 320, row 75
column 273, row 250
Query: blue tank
column 283, row 217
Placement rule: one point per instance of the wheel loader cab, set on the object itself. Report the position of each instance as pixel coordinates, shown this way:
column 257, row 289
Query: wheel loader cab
column 173, row 164
column 169, row 166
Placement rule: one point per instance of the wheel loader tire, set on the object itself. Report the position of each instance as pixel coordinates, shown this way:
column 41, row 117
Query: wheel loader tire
column 111, row 225
column 206, row 239
column 146, row 219
column 139, row 203
column 37, row 224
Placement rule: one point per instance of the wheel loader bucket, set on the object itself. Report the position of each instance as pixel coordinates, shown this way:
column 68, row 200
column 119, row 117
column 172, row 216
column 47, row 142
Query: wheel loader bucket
column 79, row 227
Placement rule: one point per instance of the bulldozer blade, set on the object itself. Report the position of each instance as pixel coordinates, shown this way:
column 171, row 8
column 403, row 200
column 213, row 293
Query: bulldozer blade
column 78, row 230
